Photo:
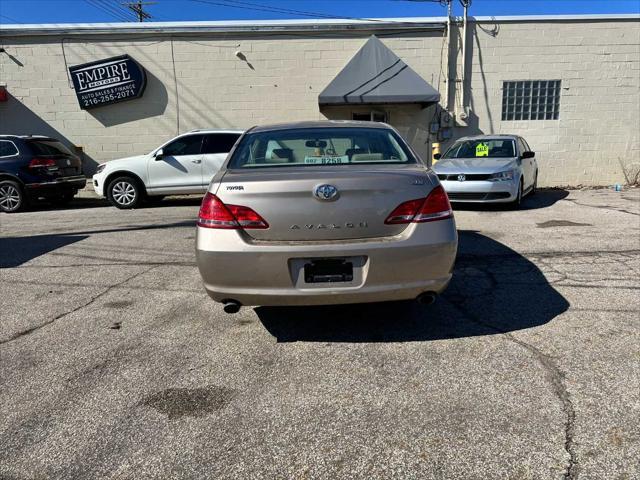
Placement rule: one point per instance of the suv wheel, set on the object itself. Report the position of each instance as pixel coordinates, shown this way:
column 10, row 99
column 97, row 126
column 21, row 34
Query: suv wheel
column 124, row 192
column 12, row 198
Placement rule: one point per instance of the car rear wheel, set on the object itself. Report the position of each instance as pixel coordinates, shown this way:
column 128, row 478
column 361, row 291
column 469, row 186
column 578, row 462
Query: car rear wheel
column 12, row 197
column 124, row 193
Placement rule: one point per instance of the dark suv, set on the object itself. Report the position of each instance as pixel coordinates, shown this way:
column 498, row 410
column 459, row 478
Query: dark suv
column 34, row 167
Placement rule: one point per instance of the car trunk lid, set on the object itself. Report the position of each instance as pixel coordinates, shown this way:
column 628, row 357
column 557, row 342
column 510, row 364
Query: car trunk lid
column 57, row 160
column 289, row 200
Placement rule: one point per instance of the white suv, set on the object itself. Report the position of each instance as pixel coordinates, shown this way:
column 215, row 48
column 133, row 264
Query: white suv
column 184, row 165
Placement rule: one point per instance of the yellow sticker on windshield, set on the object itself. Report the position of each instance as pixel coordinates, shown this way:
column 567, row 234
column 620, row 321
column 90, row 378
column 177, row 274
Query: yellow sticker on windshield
column 482, row 150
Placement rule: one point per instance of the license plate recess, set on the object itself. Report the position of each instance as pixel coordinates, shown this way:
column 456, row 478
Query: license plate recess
column 329, row 270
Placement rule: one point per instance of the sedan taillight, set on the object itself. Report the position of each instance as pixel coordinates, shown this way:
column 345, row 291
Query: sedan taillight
column 435, row 207
column 42, row 162
column 215, row 214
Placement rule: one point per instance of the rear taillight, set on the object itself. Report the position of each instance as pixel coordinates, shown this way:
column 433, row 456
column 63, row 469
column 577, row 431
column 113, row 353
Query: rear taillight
column 42, row 162
column 435, row 207
column 405, row 212
column 215, row 214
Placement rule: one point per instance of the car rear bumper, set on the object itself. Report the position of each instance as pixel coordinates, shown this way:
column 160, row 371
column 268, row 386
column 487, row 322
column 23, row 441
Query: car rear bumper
column 473, row 191
column 56, row 187
column 235, row 267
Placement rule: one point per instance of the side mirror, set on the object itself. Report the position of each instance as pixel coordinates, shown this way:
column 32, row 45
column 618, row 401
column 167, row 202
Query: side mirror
column 159, row 154
column 528, row 155
column 437, row 156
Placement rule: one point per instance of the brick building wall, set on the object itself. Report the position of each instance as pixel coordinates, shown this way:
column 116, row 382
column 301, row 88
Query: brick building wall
column 598, row 62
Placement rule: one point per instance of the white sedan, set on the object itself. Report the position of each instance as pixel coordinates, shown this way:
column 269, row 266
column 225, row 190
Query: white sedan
column 488, row 169
column 183, row 165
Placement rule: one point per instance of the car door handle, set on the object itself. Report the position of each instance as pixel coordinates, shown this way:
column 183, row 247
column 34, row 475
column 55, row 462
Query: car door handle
column 196, row 161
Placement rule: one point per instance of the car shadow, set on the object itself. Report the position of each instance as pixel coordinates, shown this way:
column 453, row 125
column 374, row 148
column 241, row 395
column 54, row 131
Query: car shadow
column 14, row 251
column 494, row 290
column 19, row 250
column 41, row 205
column 543, row 198
column 183, row 201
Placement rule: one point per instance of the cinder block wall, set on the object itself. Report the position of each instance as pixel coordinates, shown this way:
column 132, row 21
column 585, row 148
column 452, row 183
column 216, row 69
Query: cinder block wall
column 597, row 62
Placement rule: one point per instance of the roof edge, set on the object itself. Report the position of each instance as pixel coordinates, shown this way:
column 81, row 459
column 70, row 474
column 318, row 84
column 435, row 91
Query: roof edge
column 559, row 18
column 266, row 26
column 226, row 26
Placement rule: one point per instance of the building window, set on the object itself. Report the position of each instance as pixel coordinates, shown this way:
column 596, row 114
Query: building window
column 374, row 116
column 531, row 100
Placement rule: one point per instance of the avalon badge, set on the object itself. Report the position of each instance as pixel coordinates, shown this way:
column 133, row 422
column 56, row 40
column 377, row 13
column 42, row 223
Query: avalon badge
column 325, row 192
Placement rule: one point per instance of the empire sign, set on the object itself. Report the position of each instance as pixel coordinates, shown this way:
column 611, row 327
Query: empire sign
column 108, row 81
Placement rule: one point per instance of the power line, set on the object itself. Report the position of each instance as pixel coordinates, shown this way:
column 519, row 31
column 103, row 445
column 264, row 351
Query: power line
column 9, row 18
column 138, row 9
column 123, row 8
column 99, row 6
column 441, row 2
column 116, row 8
column 266, row 8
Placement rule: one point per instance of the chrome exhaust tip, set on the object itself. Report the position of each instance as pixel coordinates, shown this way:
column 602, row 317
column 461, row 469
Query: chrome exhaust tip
column 427, row 298
column 231, row 306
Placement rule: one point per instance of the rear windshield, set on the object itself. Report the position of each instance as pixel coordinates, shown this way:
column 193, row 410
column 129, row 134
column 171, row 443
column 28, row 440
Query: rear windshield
column 320, row 146
column 48, row 147
column 491, row 148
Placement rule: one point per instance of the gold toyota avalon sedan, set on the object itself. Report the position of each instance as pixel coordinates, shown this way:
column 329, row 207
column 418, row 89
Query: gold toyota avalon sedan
column 318, row 213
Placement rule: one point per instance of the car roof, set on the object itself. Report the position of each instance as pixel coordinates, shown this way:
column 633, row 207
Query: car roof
column 506, row 136
column 320, row 124
column 207, row 130
column 28, row 137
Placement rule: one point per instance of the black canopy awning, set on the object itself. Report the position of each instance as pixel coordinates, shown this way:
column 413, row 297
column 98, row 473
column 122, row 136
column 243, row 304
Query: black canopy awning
column 375, row 75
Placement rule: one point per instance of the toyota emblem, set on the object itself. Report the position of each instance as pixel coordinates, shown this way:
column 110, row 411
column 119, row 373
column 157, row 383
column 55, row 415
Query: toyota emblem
column 325, row 192
column 461, row 178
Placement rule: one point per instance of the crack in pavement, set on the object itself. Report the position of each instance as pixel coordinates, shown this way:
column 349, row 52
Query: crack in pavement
column 603, row 207
column 75, row 309
column 119, row 263
column 139, row 262
column 554, row 375
column 588, row 279
column 556, row 379
column 131, row 287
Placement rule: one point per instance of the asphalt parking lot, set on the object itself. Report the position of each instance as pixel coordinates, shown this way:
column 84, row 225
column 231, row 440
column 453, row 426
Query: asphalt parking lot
column 114, row 363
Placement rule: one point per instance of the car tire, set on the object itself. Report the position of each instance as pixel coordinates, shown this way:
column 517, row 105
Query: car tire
column 12, row 197
column 534, row 188
column 515, row 205
column 124, row 193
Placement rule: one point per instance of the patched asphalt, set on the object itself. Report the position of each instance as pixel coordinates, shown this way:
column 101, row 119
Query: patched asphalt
column 114, row 363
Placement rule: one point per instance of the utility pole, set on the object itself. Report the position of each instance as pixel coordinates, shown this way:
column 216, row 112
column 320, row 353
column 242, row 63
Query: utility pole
column 138, row 9
column 449, row 79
